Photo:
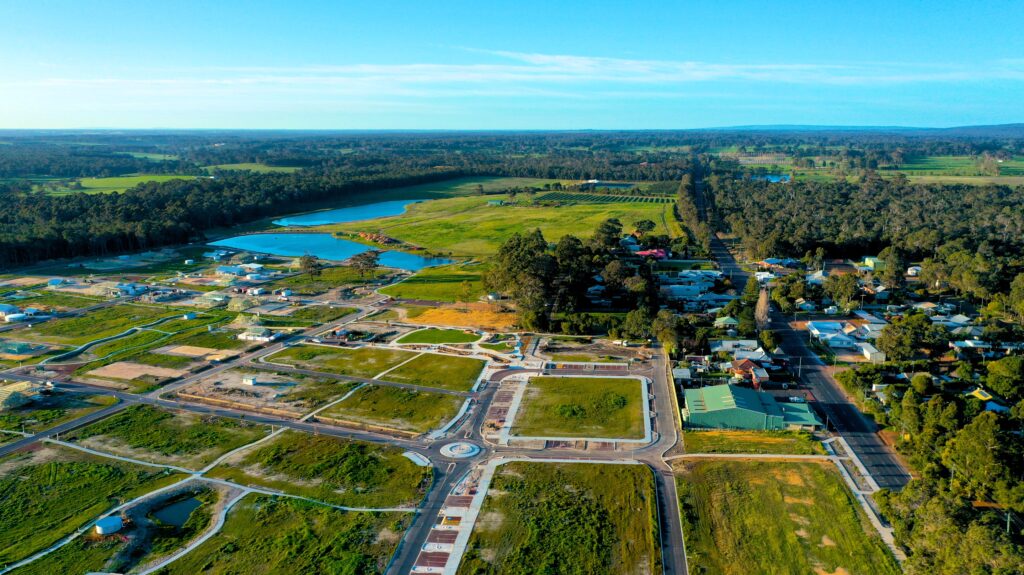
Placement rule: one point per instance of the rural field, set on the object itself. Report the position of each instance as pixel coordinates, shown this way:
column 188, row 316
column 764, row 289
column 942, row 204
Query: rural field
column 450, row 283
column 780, row 442
column 799, row 518
column 329, row 278
column 566, row 517
column 433, row 335
column 364, row 362
column 51, row 491
column 472, row 227
column 338, row 471
column 304, row 538
column 184, row 439
column 402, row 409
column 440, row 371
column 251, row 167
column 604, row 407
column 115, row 184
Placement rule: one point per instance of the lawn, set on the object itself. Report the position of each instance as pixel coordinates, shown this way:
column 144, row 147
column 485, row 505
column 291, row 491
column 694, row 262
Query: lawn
column 50, row 492
column 364, row 362
column 47, row 300
column 450, row 283
column 265, row 535
column 329, row 278
column 566, row 518
column 117, row 183
column 433, row 335
column 786, row 442
column 320, row 313
column 52, row 410
column 168, row 437
column 217, row 339
column 251, row 167
column 798, row 518
column 97, row 324
column 338, row 471
column 470, row 227
column 402, row 409
column 441, row 371
column 605, row 407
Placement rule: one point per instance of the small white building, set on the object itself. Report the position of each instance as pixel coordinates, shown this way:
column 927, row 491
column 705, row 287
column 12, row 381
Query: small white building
column 109, row 525
column 871, row 353
column 258, row 334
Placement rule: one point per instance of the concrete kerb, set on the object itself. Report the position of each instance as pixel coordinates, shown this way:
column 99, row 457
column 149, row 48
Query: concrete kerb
column 860, row 465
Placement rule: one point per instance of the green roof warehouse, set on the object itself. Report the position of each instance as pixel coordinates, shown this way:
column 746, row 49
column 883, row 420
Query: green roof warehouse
column 734, row 407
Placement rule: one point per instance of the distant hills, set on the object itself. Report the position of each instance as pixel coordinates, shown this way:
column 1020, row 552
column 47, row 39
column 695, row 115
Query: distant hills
column 990, row 131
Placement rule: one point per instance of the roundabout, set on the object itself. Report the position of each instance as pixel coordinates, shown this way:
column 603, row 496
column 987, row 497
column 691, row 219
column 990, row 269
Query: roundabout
column 460, row 450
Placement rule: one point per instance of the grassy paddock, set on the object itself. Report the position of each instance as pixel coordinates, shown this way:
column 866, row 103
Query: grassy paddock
column 359, row 362
column 329, row 278
column 798, row 518
column 566, row 518
column 432, row 335
column 52, row 410
column 252, row 167
column 779, row 442
column 402, row 409
column 604, row 407
column 339, row 471
column 95, row 325
column 451, row 283
column 440, row 371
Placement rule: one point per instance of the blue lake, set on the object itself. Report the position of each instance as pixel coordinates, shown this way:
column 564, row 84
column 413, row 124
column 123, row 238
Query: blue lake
column 773, row 178
column 349, row 214
column 324, row 246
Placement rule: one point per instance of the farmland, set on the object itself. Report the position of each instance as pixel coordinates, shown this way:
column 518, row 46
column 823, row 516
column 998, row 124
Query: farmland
column 338, row 471
column 52, row 491
column 113, row 184
column 360, row 362
column 778, row 442
column 581, row 407
column 305, row 538
column 585, row 198
column 433, row 335
column 471, row 227
column 545, row 517
column 440, row 371
column 797, row 517
column 152, row 434
column 396, row 408
column 450, row 283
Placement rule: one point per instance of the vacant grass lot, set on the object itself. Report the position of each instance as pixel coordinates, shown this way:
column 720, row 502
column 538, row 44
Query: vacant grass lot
column 95, row 325
column 797, row 518
column 321, row 313
column 441, row 371
column 605, row 407
column 265, row 535
column 359, row 362
column 564, row 518
column 152, row 434
column 433, row 335
column 47, row 300
column 52, row 410
column 451, row 283
column 471, row 227
column 339, row 471
column 329, row 278
column 402, row 409
column 50, row 492
column 719, row 441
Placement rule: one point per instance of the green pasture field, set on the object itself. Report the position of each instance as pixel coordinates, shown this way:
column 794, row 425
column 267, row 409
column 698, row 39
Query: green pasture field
column 51, row 492
column 338, row 471
column 251, row 167
column 766, row 442
column 47, row 300
column 797, row 517
column 440, row 371
column 329, row 278
column 604, row 407
column 566, row 518
column 117, row 183
column 595, row 198
column 470, row 227
column 940, row 166
column 168, row 437
column 442, row 283
column 52, row 410
column 358, row 362
column 264, row 535
column 153, row 156
column 435, row 335
column 402, row 409
column 95, row 325
column 316, row 314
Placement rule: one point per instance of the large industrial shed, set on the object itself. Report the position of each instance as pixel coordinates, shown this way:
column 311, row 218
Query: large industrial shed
column 734, row 407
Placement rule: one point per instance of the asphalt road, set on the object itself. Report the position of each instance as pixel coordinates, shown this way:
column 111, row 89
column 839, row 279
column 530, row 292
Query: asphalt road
column 64, row 427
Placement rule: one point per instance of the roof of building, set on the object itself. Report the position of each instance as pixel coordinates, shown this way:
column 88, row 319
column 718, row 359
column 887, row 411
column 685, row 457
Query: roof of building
column 727, row 396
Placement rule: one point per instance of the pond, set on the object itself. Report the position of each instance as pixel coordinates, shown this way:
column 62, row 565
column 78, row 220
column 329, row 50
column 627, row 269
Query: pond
column 773, row 178
column 177, row 513
column 323, row 246
column 349, row 214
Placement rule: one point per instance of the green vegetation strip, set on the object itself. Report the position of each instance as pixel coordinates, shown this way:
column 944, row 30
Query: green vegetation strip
column 451, row 283
column 98, row 324
column 797, row 518
column 359, row 362
column 402, row 409
column 767, row 442
column 52, row 410
column 440, row 371
column 566, row 518
column 328, row 278
column 604, row 407
column 338, row 471
column 434, row 335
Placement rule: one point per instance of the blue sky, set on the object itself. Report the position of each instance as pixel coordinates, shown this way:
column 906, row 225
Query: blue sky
column 508, row 65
